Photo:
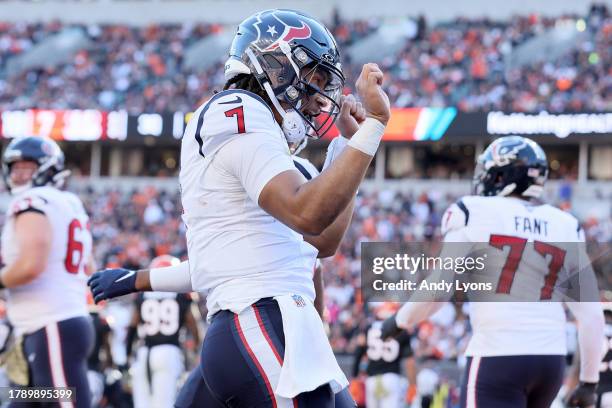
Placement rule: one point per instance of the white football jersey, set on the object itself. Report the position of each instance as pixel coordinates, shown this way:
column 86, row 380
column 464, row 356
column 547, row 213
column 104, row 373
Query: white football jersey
column 232, row 147
column 59, row 292
column 305, row 167
column 515, row 328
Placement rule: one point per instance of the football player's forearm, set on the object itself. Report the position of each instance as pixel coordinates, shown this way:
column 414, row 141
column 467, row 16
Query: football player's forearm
column 143, row 282
column 573, row 377
column 590, row 332
column 33, row 239
column 322, row 199
column 359, row 352
column 21, row 272
column 319, row 302
column 411, row 370
column 329, row 240
column 412, row 313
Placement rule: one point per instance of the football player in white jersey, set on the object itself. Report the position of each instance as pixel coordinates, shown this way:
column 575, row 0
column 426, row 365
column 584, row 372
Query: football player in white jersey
column 255, row 225
column 107, row 284
column 113, row 282
column 516, row 356
column 46, row 245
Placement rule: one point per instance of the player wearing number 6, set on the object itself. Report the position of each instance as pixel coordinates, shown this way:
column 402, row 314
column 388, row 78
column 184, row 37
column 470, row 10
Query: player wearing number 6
column 159, row 317
column 46, row 245
column 516, row 356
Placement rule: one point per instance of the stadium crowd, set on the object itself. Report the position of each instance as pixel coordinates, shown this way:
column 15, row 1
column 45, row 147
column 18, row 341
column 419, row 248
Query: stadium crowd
column 458, row 63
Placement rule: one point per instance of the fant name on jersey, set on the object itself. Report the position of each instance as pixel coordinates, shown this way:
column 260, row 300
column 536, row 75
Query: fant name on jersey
column 59, row 292
column 534, row 232
column 481, row 216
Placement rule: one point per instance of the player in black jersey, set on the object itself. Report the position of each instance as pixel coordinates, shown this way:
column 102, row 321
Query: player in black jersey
column 385, row 385
column 158, row 318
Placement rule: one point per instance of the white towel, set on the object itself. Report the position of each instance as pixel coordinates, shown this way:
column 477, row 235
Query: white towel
column 309, row 361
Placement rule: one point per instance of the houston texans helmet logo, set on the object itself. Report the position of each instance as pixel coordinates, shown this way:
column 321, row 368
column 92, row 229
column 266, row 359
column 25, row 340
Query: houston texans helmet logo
column 273, row 31
column 503, row 153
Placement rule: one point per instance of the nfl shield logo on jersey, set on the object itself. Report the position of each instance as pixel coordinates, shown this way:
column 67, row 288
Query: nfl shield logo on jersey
column 299, row 302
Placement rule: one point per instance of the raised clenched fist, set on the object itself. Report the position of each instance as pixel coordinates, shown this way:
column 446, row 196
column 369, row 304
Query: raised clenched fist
column 352, row 114
column 369, row 88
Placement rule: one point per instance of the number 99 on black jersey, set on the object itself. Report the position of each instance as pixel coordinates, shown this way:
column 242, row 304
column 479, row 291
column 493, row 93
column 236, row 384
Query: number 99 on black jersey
column 162, row 315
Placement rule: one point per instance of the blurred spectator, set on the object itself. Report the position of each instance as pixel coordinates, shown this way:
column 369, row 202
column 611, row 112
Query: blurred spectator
column 458, row 63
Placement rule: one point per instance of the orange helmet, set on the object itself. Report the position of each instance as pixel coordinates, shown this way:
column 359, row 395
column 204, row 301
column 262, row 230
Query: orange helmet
column 385, row 310
column 164, row 260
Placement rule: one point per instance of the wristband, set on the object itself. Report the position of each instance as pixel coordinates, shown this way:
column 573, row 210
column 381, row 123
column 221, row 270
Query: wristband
column 174, row 278
column 368, row 137
column 334, row 149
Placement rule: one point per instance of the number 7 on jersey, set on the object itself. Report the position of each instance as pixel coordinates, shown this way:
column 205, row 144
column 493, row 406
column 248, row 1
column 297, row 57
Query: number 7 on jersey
column 239, row 113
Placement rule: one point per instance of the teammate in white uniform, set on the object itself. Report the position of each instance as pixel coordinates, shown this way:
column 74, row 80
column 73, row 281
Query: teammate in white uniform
column 256, row 225
column 108, row 284
column 46, row 245
column 517, row 351
column 112, row 283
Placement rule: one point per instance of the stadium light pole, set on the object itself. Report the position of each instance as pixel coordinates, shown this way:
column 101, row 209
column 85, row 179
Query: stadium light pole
column 96, row 160
column 583, row 159
column 380, row 165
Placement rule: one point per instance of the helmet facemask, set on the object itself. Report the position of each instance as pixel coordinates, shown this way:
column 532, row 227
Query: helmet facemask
column 286, row 77
column 283, row 50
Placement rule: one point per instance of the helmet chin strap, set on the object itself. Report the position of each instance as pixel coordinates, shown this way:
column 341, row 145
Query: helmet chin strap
column 60, row 178
column 293, row 125
column 534, row 191
column 507, row 190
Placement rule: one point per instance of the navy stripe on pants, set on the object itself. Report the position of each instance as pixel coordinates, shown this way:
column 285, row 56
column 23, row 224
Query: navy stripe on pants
column 57, row 357
column 233, row 375
column 512, row 381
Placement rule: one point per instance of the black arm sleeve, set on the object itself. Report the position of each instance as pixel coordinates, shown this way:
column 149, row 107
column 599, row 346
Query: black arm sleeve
column 359, row 352
column 131, row 336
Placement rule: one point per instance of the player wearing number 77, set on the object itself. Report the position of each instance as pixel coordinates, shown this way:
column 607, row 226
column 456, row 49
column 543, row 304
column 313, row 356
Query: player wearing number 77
column 46, row 245
column 516, row 355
